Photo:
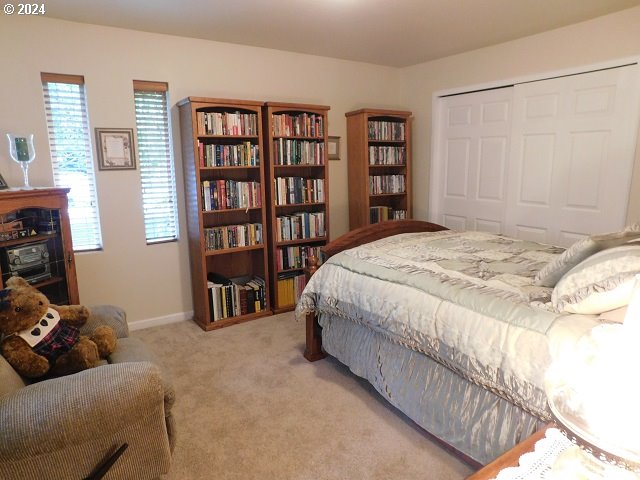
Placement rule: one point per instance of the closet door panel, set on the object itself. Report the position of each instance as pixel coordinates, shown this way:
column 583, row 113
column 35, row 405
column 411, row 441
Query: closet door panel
column 469, row 179
column 535, row 159
column 457, row 168
column 587, row 162
column 572, row 152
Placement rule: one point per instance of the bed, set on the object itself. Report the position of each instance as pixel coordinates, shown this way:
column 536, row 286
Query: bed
column 455, row 329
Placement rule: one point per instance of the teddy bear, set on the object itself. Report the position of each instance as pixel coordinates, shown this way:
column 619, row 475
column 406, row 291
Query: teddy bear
column 39, row 338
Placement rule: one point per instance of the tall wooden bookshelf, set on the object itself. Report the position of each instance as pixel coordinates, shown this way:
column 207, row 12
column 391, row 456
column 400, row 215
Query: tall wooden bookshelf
column 379, row 156
column 224, row 174
column 298, row 194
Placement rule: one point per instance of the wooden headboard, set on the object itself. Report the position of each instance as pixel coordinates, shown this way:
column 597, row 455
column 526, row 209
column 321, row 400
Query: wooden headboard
column 355, row 238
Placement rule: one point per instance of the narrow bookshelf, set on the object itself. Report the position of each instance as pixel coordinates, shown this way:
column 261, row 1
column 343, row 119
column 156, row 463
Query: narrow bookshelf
column 224, row 175
column 298, row 194
column 379, row 156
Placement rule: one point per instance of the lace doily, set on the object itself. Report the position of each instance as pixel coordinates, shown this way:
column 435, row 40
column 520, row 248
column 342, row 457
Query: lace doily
column 535, row 465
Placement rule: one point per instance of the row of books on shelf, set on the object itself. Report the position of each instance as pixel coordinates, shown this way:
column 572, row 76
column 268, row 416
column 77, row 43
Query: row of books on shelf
column 227, row 123
column 382, row 214
column 298, row 125
column 292, row 190
column 384, row 130
column 384, row 155
column 386, row 184
column 226, row 194
column 296, row 257
column 300, row 226
column 298, row 152
column 233, row 236
column 242, row 155
column 290, row 287
column 232, row 297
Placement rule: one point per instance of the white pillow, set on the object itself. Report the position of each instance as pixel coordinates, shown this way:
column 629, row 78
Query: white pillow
column 602, row 282
column 553, row 271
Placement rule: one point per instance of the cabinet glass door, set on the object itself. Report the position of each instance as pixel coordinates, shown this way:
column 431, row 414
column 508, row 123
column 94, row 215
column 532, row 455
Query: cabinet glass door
column 31, row 247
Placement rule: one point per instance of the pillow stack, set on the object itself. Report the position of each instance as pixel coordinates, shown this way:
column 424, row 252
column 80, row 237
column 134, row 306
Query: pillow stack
column 596, row 274
column 602, row 282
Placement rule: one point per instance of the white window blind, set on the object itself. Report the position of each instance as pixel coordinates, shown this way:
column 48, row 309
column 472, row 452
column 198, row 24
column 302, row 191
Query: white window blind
column 156, row 162
column 71, row 156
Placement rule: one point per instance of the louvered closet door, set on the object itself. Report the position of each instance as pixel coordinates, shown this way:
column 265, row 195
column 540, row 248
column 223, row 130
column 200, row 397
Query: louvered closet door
column 572, row 151
column 469, row 173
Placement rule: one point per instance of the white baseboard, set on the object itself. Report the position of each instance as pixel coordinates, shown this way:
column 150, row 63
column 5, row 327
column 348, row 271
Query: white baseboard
column 157, row 321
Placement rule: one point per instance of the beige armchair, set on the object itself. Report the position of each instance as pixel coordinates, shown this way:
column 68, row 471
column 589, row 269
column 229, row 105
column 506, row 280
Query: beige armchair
column 65, row 428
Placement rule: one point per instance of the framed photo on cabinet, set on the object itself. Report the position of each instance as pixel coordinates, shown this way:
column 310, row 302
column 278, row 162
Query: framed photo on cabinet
column 115, row 148
column 333, row 148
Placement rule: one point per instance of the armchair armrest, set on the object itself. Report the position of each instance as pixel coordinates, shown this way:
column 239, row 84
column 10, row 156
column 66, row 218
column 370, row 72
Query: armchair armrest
column 70, row 424
column 110, row 315
column 133, row 349
column 10, row 381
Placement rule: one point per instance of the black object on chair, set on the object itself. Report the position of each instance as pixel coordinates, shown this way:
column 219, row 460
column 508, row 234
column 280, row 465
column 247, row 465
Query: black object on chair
column 102, row 469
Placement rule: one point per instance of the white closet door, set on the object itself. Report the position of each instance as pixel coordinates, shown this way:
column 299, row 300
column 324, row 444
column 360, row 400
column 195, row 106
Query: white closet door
column 572, row 151
column 468, row 185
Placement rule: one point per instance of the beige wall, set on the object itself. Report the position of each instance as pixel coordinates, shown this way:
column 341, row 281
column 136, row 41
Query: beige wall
column 153, row 281
column 602, row 39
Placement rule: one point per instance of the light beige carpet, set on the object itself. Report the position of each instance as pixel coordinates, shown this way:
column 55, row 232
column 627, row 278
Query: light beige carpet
column 249, row 406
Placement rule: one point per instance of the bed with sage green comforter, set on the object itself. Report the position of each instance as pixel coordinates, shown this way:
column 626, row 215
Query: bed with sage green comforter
column 407, row 311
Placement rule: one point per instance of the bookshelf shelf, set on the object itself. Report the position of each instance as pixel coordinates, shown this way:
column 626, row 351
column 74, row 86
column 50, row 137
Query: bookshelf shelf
column 229, row 137
column 31, row 239
column 230, row 210
column 387, row 166
column 226, row 322
column 294, row 167
column 50, row 281
column 300, row 205
column 223, row 160
column 297, row 137
column 235, row 167
column 386, row 142
column 303, row 128
column 227, row 251
column 288, row 270
column 301, row 241
column 379, row 156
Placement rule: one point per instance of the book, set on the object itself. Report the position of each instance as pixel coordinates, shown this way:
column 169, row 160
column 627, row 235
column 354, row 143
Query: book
column 251, row 299
column 214, row 297
column 240, row 295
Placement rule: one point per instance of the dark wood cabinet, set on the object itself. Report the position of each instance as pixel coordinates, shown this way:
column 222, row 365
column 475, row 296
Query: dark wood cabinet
column 36, row 244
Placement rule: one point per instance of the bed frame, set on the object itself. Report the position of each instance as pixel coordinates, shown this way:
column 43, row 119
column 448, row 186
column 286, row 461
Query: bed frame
column 355, row 238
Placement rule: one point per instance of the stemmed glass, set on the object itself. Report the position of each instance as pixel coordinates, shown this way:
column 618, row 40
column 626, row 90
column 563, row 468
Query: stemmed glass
column 21, row 150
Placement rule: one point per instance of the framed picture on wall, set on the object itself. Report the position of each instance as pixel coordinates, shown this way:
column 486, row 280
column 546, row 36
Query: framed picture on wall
column 333, row 148
column 115, row 148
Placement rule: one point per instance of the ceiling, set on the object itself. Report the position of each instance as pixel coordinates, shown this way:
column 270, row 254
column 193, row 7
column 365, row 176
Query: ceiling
column 396, row 33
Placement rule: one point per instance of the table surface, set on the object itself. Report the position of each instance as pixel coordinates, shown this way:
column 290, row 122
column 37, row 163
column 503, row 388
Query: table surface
column 510, row 458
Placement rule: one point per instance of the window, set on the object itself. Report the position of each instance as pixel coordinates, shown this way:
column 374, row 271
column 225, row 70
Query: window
column 156, row 162
column 71, row 157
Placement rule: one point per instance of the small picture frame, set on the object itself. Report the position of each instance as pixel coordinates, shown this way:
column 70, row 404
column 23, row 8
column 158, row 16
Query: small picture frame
column 333, row 148
column 115, row 149
column 3, row 183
